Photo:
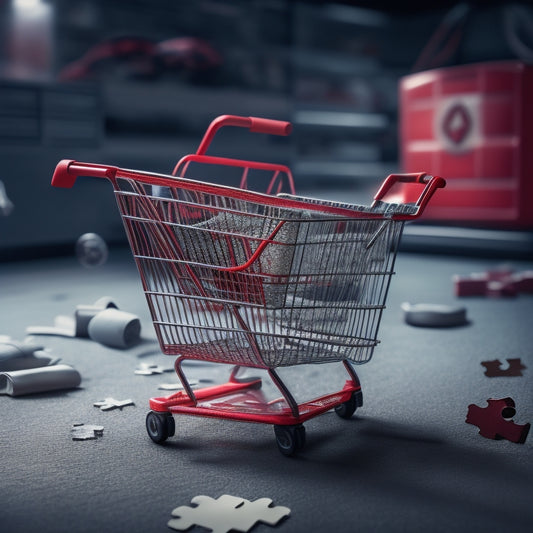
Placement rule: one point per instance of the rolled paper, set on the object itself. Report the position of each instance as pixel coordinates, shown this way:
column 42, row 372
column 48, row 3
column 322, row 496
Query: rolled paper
column 115, row 328
column 44, row 379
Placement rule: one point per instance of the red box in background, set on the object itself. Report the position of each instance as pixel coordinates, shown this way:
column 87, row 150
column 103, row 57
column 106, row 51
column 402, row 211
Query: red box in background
column 472, row 125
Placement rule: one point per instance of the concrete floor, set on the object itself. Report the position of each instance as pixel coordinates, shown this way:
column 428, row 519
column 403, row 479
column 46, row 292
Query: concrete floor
column 405, row 462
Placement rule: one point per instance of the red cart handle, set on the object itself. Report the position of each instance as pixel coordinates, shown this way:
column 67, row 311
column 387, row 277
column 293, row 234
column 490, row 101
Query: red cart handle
column 68, row 170
column 254, row 124
column 432, row 183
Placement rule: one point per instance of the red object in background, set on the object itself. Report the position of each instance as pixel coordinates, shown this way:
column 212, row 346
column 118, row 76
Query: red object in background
column 495, row 283
column 473, row 125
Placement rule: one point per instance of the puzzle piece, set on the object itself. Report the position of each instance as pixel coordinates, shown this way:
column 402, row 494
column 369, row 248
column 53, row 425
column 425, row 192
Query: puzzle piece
column 147, row 369
column 111, row 403
column 227, row 513
column 86, row 432
column 494, row 421
column 523, row 281
column 176, row 385
column 493, row 368
column 494, row 283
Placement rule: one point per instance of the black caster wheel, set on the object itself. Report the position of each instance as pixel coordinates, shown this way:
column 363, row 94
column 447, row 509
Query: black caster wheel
column 290, row 439
column 347, row 409
column 160, row 426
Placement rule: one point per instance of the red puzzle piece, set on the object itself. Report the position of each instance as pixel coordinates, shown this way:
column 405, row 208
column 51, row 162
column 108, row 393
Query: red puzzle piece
column 493, row 368
column 494, row 421
column 495, row 283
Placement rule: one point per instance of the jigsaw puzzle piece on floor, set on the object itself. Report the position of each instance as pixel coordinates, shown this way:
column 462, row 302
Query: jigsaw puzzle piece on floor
column 147, row 369
column 494, row 421
column 227, row 513
column 494, row 283
column 493, row 368
column 86, row 432
column 110, row 403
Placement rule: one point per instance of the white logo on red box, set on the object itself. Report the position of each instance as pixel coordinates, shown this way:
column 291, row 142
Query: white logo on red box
column 457, row 122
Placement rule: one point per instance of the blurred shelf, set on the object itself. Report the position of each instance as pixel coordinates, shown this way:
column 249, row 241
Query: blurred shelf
column 340, row 119
column 185, row 105
column 333, row 64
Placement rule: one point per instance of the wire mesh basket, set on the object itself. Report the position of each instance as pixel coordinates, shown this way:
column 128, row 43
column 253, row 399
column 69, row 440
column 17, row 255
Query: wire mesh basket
column 236, row 281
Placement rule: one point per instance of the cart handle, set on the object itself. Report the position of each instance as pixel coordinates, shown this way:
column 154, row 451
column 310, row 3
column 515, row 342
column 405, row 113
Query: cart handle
column 68, row 170
column 432, row 183
column 254, row 124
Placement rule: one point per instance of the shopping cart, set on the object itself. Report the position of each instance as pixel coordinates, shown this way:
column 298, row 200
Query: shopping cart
column 257, row 280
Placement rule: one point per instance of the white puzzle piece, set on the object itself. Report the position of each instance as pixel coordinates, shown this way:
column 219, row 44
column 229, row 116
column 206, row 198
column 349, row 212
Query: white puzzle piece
column 147, row 369
column 110, row 403
column 86, row 432
column 227, row 513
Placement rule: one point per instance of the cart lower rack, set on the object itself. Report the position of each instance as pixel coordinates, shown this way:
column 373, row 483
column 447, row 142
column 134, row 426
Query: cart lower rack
column 257, row 280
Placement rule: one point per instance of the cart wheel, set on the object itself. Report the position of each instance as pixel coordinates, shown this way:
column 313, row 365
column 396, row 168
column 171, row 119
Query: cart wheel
column 290, row 439
column 347, row 409
column 160, row 426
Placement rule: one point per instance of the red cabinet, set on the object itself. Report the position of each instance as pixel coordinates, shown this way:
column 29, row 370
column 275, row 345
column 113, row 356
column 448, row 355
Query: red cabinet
column 472, row 125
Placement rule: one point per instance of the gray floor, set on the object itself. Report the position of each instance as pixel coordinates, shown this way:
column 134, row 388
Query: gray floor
column 406, row 461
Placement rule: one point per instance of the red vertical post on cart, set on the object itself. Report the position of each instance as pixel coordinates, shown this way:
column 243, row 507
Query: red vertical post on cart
column 473, row 125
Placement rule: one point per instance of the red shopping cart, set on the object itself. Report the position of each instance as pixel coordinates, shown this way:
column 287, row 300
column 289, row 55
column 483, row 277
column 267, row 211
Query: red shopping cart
column 257, row 280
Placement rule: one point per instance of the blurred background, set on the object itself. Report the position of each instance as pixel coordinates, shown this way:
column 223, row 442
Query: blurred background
column 135, row 83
